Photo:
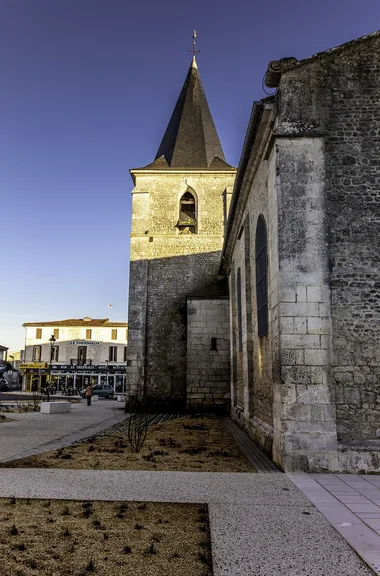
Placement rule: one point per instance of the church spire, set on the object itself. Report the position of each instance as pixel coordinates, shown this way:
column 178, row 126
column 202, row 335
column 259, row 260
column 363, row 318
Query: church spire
column 191, row 140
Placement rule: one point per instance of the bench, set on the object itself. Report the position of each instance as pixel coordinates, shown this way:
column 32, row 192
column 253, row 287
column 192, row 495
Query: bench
column 55, row 407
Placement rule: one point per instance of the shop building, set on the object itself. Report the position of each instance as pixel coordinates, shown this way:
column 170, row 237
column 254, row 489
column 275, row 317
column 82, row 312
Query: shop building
column 70, row 354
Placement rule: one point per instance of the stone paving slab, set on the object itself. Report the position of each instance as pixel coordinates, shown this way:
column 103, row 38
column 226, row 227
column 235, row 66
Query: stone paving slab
column 347, row 502
column 261, row 524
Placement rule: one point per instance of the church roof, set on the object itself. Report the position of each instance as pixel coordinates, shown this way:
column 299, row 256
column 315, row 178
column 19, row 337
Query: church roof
column 191, row 139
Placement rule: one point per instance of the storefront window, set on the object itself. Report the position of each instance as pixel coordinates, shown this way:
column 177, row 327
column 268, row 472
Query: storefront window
column 119, row 383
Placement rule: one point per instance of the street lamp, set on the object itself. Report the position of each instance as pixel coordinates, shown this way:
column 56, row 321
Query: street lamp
column 13, row 367
column 51, row 340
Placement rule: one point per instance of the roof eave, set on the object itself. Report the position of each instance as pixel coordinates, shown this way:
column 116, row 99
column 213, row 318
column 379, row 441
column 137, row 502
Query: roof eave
column 259, row 127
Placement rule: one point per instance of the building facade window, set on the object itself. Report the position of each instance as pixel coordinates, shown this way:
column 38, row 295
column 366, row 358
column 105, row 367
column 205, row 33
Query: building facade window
column 82, row 355
column 125, row 353
column 187, row 222
column 37, row 353
column 114, row 334
column 38, row 333
column 262, row 277
column 55, row 354
column 88, row 334
column 112, row 356
column 56, row 333
column 214, row 343
column 239, row 311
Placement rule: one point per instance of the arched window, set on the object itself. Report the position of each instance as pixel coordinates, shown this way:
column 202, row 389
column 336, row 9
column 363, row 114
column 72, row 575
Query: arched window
column 262, row 276
column 187, row 222
column 239, row 311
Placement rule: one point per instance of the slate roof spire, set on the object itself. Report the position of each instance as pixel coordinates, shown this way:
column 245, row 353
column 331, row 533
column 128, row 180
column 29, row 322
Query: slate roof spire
column 191, row 139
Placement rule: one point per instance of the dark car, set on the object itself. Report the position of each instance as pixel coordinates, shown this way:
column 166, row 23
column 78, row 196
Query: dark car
column 104, row 391
column 4, row 386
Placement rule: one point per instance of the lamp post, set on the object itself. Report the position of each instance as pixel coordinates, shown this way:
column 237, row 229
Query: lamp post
column 51, row 340
column 13, row 367
column 106, row 361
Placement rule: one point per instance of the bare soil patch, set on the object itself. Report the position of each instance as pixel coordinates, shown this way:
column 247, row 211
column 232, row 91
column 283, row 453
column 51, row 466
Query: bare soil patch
column 184, row 444
column 67, row 538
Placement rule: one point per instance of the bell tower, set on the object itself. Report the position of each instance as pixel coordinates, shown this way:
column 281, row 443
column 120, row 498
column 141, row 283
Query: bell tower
column 179, row 207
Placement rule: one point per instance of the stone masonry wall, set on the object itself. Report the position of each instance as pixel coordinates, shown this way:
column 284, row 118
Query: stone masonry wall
column 207, row 369
column 339, row 97
column 166, row 266
column 305, row 425
column 257, row 364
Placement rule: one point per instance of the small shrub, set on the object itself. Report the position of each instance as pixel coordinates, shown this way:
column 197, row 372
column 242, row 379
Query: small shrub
column 46, row 504
column 91, row 565
column 149, row 457
column 66, row 532
column 175, row 555
column 195, row 427
column 205, row 558
column 123, row 507
column 205, row 544
column 203, row 528
column 91, row 448
column 127, row 550
column 151, row 549
column 194, row 450
column 156, row 537
column 203, row 518
column 13, row 531
column 21, row 547
column 106, row 535
column 32, row 564
column 142, row 506
column 66, row 511
column 12, row 500
column 96, row 523
column 66, row 457
column 138, row 526
column 220, row 453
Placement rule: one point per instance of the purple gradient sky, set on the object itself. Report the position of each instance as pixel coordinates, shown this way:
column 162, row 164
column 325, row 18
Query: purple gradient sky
column 86, row 91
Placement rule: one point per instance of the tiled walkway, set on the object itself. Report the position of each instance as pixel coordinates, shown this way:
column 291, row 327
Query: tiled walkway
column 351, row 503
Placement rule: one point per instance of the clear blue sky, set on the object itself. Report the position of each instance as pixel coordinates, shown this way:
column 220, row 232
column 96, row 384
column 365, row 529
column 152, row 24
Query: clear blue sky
column 86, row 91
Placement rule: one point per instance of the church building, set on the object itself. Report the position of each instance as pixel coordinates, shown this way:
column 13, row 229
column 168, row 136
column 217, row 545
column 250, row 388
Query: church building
column 257, row 291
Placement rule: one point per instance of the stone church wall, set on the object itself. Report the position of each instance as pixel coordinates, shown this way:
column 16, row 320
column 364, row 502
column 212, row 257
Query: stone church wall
column 255, row 367
column 208, row 353
column 338, row 98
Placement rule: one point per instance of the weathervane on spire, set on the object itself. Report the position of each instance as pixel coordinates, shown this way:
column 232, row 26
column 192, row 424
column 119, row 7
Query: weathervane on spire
column 194, row 49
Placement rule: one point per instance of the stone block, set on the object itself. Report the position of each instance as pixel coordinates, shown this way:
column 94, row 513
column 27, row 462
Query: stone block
column 316, row 357
column 299, row 309
column 55, row 407
column 314, row 294
column 301, row 294
column 318, row 325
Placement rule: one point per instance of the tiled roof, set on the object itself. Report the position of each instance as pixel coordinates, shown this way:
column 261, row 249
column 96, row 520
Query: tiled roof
column 191, row 139
column 99, row 322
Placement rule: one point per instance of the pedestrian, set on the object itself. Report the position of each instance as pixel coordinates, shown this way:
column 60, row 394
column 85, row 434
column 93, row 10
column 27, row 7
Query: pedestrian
column 89, row 394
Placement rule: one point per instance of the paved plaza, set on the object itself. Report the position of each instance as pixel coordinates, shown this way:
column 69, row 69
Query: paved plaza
column 33, row 432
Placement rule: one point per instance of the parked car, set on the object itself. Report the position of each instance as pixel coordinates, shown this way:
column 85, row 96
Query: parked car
column 104, row 391
column 4, row 386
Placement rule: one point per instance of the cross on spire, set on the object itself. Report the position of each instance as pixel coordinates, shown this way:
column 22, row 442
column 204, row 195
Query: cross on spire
column 194, row 48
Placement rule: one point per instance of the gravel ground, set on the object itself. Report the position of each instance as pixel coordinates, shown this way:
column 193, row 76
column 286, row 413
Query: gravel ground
column 261, row 524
